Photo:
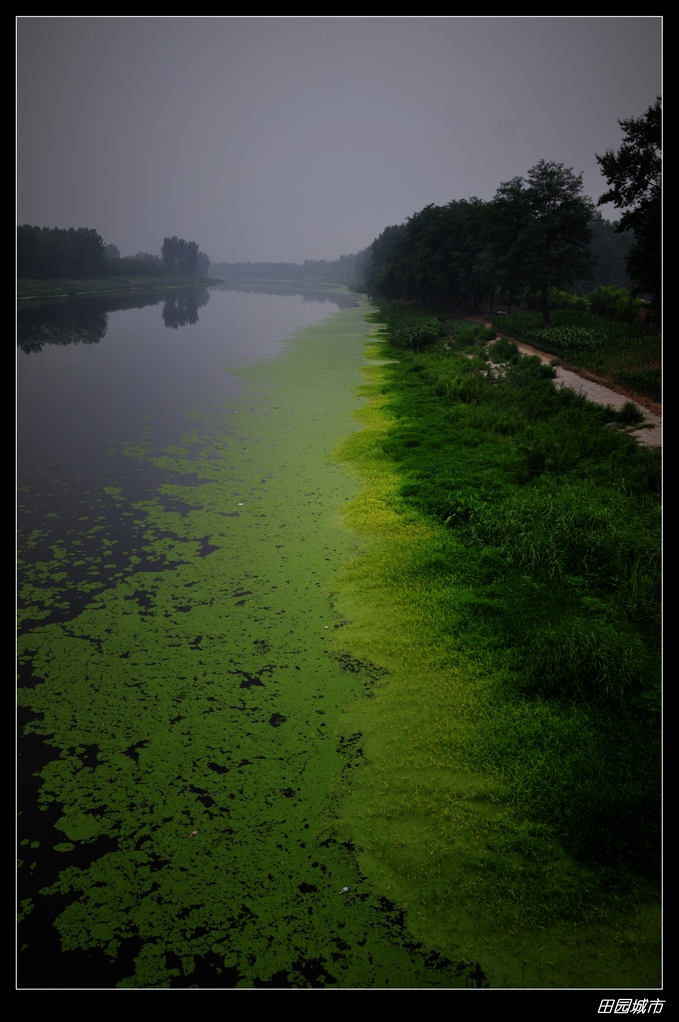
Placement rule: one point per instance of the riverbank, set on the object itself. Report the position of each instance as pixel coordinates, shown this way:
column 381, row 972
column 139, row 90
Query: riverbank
column 466, row 806
column 37, row 289
column 276, row 703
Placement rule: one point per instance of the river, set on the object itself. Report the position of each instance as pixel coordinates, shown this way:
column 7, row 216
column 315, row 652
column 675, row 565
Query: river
column 181, row 689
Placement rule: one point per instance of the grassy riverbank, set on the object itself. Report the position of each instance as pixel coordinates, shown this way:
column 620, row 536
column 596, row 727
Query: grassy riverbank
column 507, row 587
column 72, row 288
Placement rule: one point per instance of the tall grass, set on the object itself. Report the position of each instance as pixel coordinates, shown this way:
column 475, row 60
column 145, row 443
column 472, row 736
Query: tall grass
column 541, row 576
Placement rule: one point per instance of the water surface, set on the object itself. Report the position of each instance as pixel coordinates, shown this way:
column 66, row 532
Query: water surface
column 181, row 706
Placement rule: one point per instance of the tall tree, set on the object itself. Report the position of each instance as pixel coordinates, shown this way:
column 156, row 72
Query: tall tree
column 169, row 252
column 634, row 177
column 610, row 247
column 44, row 252
column 182, row 258
column 541, row 226
column 433, row 258
column 88, row 257
column 379, row 255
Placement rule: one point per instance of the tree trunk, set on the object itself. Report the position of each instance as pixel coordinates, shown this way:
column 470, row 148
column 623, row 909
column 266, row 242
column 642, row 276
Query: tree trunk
column 544, row 296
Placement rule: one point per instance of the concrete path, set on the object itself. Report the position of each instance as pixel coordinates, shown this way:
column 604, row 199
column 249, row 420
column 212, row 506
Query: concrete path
column 650, row 433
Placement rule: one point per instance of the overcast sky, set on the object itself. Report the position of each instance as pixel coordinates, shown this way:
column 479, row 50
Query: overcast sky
column 267, row 139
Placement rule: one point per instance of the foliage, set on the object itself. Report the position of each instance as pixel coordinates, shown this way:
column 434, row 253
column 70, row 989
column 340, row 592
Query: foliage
column 135, row 266
column 44, row 253
column 634, row 176
column 470, row 335
column 541, row 230
column 434, row 258
column 56, row 254
column 559, row 299
column 609, row 246
column 630, row 414
column 412, row 327
column 379, row 256
column 614, row 303
column 543, row 570
column 182, row 258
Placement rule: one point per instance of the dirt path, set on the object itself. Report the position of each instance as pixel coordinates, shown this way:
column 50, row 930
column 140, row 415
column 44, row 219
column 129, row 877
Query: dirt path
column 594, row 389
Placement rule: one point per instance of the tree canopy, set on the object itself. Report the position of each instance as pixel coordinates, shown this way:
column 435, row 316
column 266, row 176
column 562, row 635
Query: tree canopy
column 540, row 228
column 182, row 258
column 432, row 258
column 539, row 234
column 44, row 253
column 634, row 176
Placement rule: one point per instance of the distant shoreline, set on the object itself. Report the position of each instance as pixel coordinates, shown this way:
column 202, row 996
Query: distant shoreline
column 72, row 288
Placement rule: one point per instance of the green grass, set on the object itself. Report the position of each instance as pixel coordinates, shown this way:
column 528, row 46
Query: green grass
column 508, row 585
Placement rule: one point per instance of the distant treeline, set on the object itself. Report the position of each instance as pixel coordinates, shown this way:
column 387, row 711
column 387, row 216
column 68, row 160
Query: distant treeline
column 455, row 257
column 45, row 253
column 539, row 233
column 349, row 270
column 54, row 253
column 363, row 270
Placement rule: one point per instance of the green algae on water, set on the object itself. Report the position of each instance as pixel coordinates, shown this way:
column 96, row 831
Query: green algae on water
column 176, row 650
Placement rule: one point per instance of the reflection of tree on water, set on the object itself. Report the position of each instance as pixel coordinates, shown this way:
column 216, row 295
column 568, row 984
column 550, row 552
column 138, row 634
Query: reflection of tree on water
column 81, row 321
column 84, row 320
column 182, row 308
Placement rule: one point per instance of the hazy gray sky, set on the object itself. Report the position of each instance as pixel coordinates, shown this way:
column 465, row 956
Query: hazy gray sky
column 291, row 138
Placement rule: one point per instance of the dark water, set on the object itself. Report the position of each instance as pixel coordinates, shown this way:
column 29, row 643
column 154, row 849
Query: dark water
column 86, row 371
column 180, row 706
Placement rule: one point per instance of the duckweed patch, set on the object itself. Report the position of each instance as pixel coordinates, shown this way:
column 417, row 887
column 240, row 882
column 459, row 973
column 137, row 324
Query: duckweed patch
column 183, row 719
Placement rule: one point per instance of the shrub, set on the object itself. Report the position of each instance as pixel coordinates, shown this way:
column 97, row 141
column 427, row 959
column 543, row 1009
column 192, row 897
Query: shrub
column 565, row 300
column 417, row 335
column 504, row 350
column 411, row 327
column 630, row 414
column 614, row 303
column 471, row 335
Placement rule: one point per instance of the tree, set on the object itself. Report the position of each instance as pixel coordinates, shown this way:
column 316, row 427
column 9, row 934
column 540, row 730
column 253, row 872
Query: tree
column 379, row 255
column 634, row 177
column 433, row 258
column 541, row 230
column 87, row 248
column 610, row 247
column 44, row 253
column 182, row 258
